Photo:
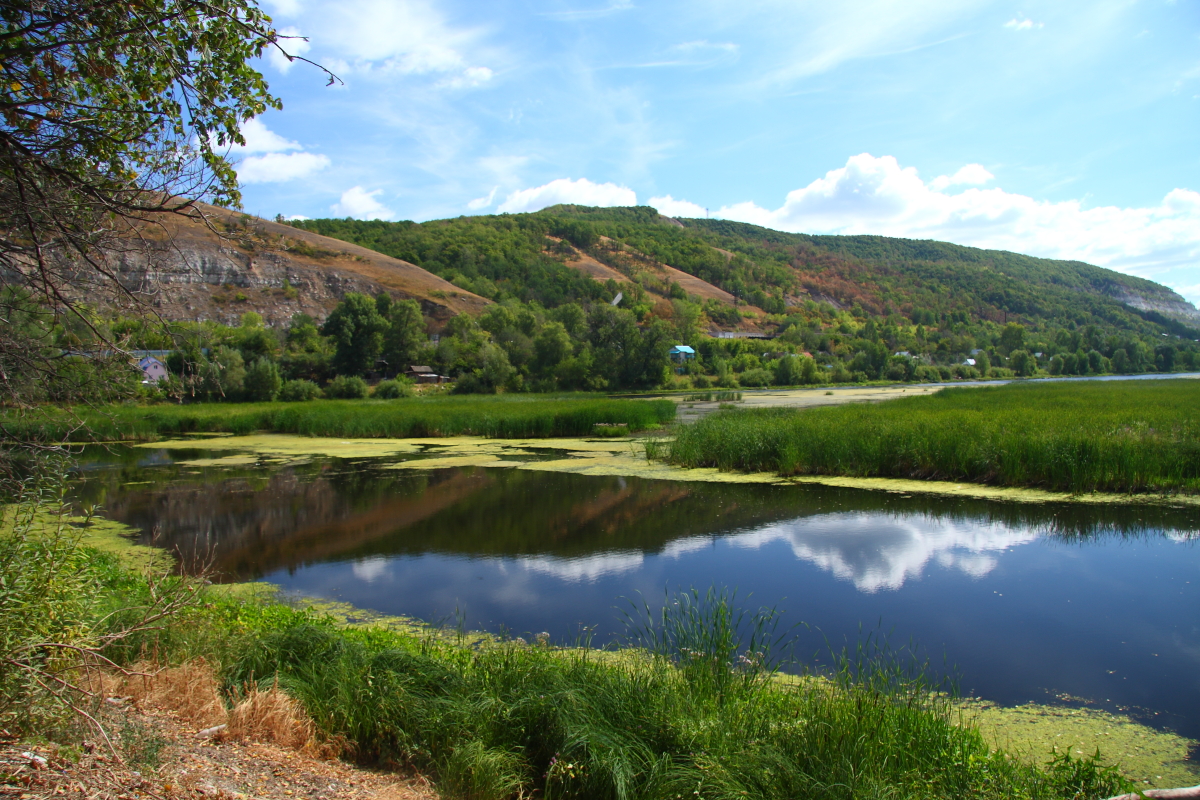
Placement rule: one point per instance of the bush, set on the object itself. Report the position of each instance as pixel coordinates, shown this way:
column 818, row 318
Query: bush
column 393, row 390
column 347, row 387
column 755, row 377
column 298, row 391
column 262, row 381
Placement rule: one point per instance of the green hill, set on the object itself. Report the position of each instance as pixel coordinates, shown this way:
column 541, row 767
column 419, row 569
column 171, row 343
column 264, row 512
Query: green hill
column 835, row 309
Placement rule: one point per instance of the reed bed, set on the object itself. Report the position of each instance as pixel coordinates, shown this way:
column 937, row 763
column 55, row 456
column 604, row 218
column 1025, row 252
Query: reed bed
column 503, row 416
column 1112, row 436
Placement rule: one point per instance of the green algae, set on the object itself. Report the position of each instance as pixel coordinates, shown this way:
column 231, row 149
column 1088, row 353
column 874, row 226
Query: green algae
column 106, row 536
column 1145, row 755
column 604, row 457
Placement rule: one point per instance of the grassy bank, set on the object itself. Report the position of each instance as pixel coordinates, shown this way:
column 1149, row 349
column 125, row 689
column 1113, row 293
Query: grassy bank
column 1118, row 436
column 499, row 416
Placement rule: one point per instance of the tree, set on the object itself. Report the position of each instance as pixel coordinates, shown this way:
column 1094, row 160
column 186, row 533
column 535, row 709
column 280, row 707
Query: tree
column 113, row 115
column 1012, row 337
column 357, row 331
column 262, row 381
column 405, row 335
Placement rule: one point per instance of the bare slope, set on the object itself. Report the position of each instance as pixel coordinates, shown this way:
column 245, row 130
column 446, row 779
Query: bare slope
column 237, row 263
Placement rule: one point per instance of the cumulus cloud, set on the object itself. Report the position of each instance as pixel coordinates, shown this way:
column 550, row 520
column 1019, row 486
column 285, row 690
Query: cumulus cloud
column 291, row 42
column 972, row 174
column 580, row 192
column 276, row 164
column 279, row 167
column 670, row 207
column 358, row 203
column 873, row 195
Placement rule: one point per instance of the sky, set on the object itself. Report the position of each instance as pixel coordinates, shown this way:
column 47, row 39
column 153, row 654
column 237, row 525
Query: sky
column 1061, row 129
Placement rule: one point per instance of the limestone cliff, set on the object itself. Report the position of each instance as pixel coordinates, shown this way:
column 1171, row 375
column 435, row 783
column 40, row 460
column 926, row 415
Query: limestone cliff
column 225, row 264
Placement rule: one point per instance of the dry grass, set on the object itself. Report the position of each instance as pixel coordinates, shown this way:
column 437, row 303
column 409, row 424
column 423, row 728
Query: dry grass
column 274, row 717
column 192, row 693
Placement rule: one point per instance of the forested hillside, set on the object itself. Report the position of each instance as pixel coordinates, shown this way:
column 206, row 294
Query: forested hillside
column 822, row 309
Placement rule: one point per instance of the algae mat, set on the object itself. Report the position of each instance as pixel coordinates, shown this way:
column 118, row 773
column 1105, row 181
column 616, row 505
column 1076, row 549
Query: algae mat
column 602, row 457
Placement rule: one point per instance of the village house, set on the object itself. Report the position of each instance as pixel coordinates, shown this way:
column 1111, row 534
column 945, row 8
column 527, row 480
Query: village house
column 152, row 369
column 424, row 374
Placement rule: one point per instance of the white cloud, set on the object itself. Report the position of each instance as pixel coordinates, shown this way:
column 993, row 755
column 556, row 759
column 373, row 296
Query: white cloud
column 1023, row 24
column 468, row 79
column 483, row 202
column 279, row 167
column 358, row 203
column 293, row 217
column 261, row 139
column 877, row 196
column 291, row 42
column 275, row 164
column 580, row 192
column 972, row 174
column 405, row 37
column 670, row 207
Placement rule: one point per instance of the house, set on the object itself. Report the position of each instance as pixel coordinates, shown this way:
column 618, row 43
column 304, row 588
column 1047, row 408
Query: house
column 970, row 362
column 424, row 374
column 681, row 353
column 152, row 369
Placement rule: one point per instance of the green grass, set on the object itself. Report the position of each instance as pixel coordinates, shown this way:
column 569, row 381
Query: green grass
column 1112, row 436
column 497, row 416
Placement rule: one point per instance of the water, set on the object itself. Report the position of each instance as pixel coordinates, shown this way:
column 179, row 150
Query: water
column 1022, row 603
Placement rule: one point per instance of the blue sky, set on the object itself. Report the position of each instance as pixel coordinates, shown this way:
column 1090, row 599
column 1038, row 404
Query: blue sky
column 1063, row 129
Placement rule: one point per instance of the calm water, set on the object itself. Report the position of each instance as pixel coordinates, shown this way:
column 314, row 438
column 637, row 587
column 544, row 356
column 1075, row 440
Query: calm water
column 1022, row 602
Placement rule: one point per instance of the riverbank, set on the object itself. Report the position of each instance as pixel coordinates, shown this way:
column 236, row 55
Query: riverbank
column 484, row 717
column 1116, row 437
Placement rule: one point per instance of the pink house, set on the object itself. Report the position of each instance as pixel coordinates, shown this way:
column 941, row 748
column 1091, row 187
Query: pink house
column 153, row 369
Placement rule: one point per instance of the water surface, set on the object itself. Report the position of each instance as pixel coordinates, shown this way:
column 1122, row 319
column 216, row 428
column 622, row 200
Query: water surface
column 1022, row 602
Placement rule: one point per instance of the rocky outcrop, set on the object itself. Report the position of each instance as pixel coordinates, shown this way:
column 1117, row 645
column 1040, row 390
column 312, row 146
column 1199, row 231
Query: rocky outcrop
column 1166, row 303
column 221, row 265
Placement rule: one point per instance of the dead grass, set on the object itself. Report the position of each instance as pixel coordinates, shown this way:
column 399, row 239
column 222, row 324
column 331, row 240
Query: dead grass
column 192, row 694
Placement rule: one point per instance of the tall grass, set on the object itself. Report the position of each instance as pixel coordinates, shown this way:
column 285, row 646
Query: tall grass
column 503, row 416
column 1120, row 436
column 509, row 719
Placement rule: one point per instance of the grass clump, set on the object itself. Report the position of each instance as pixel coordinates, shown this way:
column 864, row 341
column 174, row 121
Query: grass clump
column 497, row 416
column 1119, row 436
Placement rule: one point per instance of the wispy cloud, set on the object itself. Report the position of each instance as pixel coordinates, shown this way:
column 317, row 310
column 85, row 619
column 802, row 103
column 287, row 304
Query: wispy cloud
column 572, row 14
column 1023, row 24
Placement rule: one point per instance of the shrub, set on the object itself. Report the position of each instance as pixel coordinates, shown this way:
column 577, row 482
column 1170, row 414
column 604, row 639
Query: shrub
column 755, row 377
column 300, row 390
column 262, row 381
column 393, row 390
column 347, row 387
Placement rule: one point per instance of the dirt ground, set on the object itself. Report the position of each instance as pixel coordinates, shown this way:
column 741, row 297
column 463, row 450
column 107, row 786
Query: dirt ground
column 161, row 745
